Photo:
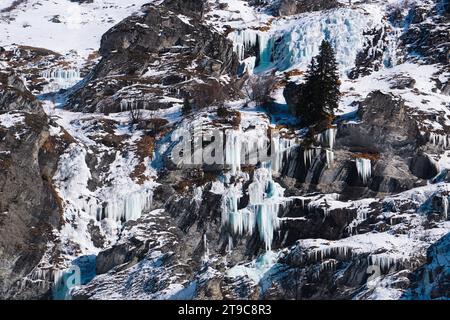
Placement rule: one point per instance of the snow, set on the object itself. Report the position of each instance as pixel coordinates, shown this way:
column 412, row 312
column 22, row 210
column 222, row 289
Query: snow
column 257, row 269
column 11, row 119
column 81, row 27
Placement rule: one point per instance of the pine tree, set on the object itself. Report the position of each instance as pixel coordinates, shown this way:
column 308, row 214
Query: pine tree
column 319, row 96
column 187, row 108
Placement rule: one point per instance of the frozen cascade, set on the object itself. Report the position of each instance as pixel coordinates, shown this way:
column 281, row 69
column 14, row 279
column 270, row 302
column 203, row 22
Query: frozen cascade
column 62, row 74
column 390, row 57
column 364, row 167
column 243, row 40
column 205, row 246
column 60, row 79
column 246, row 39
column 265, row 198
column 384, row 261
column 345, row 28
column 128, row 207
column 72, row 179
column 282, row 150
column 241, row 149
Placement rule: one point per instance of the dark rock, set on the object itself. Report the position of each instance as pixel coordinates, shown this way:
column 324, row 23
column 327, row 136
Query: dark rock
column 30, row 206
column 141, row 41
column 291, row 7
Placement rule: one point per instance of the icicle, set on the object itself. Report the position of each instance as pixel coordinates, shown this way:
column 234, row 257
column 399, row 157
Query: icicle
column 309, row 155
column 129, row 207
column 439, row 140
column 445, row 206
column 330, row 158
column 364, row 167
column 233, row 150
column 265, row 197
column 205, row 246
column 60, row 79
column 328, row 138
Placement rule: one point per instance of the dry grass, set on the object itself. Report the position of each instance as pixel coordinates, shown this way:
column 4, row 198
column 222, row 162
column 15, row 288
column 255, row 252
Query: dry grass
column 370, row 156
column 144, row 149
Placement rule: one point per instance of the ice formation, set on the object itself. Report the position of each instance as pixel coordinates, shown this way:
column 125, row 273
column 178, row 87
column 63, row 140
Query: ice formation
column 330, row 158
column 248, row 39
column 265, row 198
column 62, row 74
column 293, row 43
column 364, row 167
column 328, row 138
column 233, row 147
column 383, row 261
column 445, row 206
column 73, row 176
column 439, row 140
column 129, row 206
column 309, row 155
column 250, row 149
column 282, row 149
column 60, row 79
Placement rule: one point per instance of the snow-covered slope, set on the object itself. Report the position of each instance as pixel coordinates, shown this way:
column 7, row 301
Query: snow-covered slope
column 62, row 25
column 352, row 217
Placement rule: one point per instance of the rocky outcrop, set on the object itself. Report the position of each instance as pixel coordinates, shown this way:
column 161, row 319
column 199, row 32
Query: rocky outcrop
column 15, row 96
column 291, row 7
column 156, row 59
column 29, row 206
column 386, row 135
column 427, row 33
column 432, row 280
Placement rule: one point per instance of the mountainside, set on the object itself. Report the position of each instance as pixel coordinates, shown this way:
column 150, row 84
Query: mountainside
column 140, row 158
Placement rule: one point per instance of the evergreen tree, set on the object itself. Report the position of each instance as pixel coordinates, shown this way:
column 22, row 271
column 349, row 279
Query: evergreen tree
column 187, row 108
column 319, row 96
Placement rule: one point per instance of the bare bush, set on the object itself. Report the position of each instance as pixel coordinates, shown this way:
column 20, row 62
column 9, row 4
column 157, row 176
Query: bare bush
column 258, row 89
column 135, row 116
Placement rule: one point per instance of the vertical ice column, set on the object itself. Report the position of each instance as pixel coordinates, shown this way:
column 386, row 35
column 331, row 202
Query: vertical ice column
column 330, row 158
column 129, row 207
column 364, row 168
column 233, row 148
column 246, row 39
column 445, row 206
column 265, row 197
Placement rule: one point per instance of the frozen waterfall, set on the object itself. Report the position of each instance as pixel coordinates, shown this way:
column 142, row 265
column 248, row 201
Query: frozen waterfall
column 265, row 198
column 364, row 167
column 292, row 43
column 60, row 79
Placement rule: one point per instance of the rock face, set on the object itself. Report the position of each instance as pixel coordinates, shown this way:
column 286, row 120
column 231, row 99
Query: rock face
column 314, row 220
column 15, row 96
column 432, row 280
column 391, row 147
column 28, row 203
column 291, row 7
column 164, row 56
column 428, row 32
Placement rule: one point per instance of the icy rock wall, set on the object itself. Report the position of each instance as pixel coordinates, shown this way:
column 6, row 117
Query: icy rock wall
column 265, row 199
column 294, row 42
column 60, row 79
